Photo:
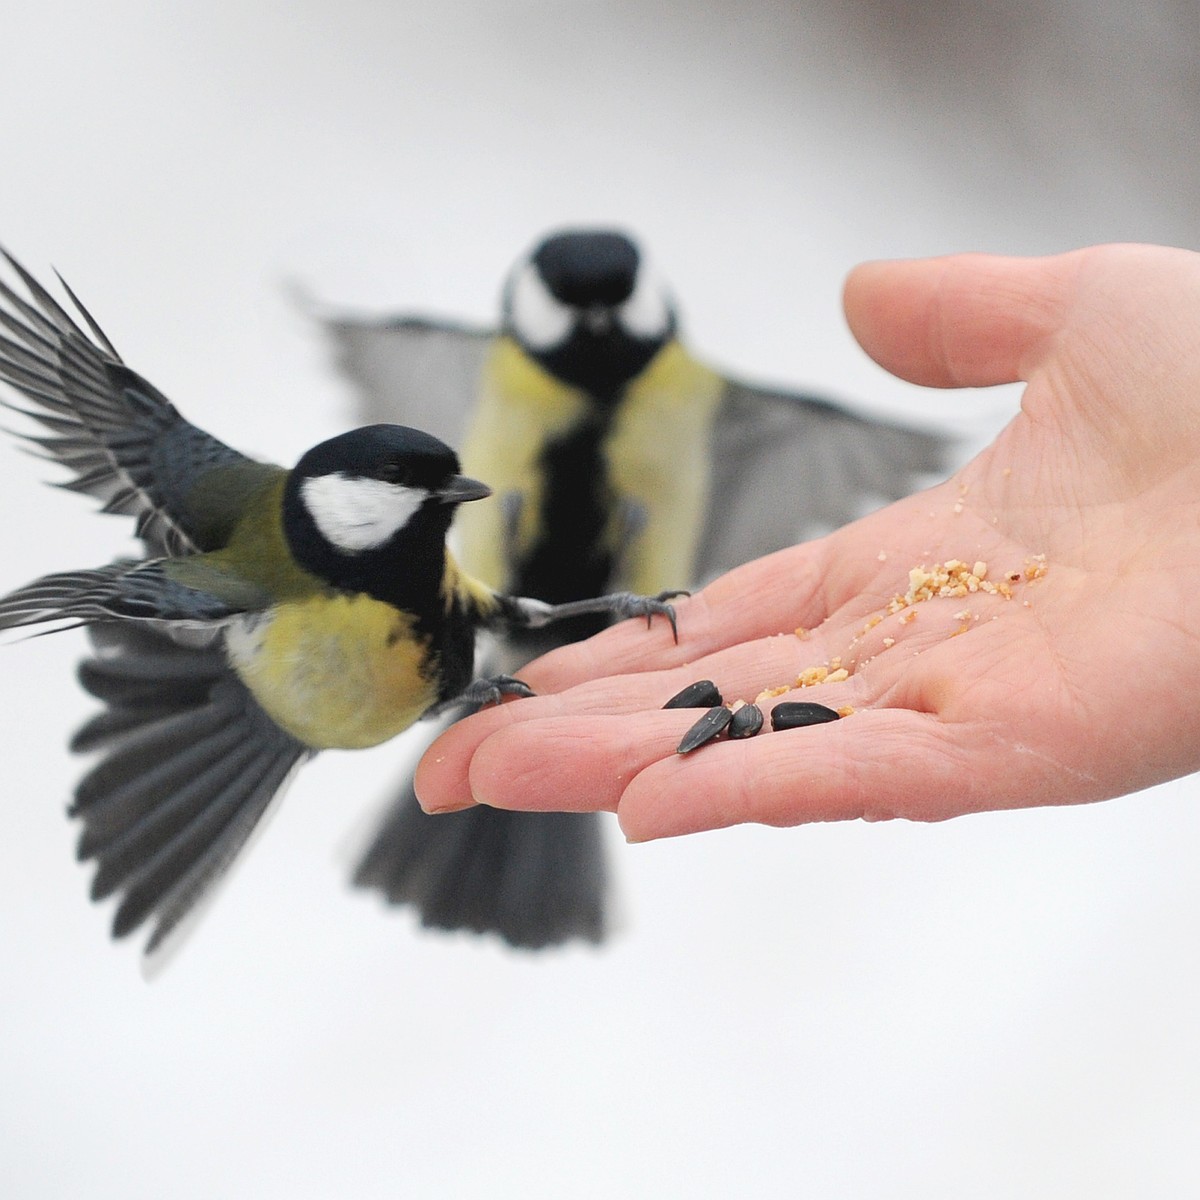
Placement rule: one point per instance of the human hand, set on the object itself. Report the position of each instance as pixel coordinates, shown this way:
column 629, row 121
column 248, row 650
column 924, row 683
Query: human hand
column 1075, row 688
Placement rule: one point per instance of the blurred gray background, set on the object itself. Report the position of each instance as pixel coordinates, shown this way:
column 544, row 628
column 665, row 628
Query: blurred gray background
column 998, row 1006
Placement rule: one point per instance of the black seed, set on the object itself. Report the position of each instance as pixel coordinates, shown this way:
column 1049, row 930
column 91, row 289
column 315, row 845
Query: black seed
column 705, row 729
column 796, row 715
column 747, row 721
column 702, row 694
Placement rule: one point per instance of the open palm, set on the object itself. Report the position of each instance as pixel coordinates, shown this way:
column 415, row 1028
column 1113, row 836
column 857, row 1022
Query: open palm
column 1065, row 675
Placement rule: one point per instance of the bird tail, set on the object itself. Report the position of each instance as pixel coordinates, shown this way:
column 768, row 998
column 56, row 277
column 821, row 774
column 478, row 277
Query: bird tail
column 189, row 766
column 533, row 879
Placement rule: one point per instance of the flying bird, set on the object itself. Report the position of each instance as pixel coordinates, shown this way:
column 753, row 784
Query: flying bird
column 275, row 613
column 620, row 460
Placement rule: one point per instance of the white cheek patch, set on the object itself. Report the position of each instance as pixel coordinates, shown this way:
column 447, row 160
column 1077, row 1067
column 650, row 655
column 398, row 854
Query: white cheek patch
column 357, row 514
column 646, row 313
column 537, row 318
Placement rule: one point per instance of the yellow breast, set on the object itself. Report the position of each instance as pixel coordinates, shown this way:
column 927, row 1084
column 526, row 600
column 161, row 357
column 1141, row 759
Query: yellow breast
column 520, row 408
column 337, row 672
column 659, row 455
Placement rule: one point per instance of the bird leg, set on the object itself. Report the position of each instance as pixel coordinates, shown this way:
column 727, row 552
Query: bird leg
column 526, row 613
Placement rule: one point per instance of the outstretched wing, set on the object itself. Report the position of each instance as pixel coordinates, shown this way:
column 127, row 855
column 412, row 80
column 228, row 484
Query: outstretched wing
column 122, row 439
column 411, row 370
column 181, row 594
column 190, row 766
column 786, row 466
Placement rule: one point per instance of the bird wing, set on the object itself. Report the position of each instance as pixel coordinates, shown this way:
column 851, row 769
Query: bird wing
column 190, row 761
column 190, row 766
column 121, row 438
column 171, row 593
column 412, row 370
column 785, row 466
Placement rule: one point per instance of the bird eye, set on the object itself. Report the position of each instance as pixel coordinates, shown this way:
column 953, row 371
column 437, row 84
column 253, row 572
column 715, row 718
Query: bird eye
column 392, row 473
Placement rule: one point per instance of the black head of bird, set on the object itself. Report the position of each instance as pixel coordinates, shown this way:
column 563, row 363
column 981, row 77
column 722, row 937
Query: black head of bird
column 369, row 510
column 586, row 306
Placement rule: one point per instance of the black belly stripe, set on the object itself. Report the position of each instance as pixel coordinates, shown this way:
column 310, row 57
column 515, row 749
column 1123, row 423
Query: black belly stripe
column 456, row 660
column 569, row 560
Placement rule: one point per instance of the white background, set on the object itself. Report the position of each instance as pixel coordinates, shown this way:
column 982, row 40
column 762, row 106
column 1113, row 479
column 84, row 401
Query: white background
column 998, row 1006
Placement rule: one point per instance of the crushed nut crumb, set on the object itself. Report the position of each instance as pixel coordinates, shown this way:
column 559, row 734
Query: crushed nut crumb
column 1035, row 567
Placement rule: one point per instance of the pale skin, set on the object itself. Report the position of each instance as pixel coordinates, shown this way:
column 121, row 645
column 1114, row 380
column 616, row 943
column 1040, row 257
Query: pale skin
column 1079, row 687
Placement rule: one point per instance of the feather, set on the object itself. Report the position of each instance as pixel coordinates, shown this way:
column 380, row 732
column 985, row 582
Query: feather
column 412, row 369
column 116, row 433
column 535, row 879
column 190, row 765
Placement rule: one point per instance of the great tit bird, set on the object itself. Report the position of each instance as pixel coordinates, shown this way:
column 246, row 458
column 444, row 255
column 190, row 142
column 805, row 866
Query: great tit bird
column 277, row 613
column 620, row 460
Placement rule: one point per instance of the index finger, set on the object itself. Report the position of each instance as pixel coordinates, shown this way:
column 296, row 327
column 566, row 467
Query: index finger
column 760, row 597
column 798, row 587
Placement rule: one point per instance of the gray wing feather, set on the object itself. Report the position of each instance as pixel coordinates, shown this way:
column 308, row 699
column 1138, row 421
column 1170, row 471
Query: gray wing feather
column 412, row 370
column 123, row 590
column 123, row 441
column 786, row 466
column 190, row 766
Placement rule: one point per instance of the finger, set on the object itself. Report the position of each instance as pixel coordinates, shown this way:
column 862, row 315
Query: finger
column 769, row 595
column 572, row 764
column 577, row 761
column 796, row 588
column 967, row 320
column 441, row 780
column 874, row 765
column 771, row 664
column 564, row 751
column 874, row 646
column 563, row 764
column 717, row 617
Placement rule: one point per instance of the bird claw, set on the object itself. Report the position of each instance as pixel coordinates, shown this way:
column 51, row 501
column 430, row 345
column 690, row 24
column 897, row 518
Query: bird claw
column 480, row 693
column 629, row 604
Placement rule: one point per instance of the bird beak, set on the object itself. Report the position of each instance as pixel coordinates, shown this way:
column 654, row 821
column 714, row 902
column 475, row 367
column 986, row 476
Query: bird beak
column 461, row 488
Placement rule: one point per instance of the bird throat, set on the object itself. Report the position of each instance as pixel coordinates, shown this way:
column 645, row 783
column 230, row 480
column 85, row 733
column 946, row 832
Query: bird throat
column 601, row 365
column 406, row 572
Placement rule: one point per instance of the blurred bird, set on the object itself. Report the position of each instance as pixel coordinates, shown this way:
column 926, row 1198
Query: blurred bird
column 278, row 612
column 619, row 460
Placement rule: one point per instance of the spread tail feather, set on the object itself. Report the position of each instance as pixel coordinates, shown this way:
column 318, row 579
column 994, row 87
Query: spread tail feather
column 534, row 879
column 190, row 764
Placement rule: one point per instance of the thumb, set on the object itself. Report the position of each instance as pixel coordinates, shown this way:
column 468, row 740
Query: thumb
column 967, row 320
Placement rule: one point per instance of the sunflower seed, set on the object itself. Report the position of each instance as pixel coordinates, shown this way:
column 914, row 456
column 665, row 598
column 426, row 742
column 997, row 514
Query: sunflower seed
column 702, row 694
column 800, row 713
column 705, row 729
column 746, row 722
